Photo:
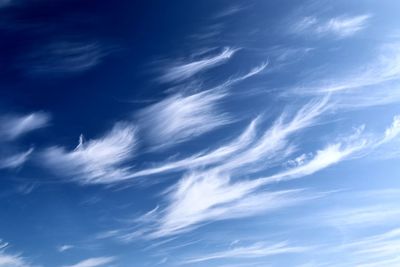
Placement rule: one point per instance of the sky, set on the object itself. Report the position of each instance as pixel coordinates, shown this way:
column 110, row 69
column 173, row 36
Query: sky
column 199, row 133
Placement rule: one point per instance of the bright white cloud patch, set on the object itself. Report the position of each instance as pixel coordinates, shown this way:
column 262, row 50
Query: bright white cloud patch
column 95, row 161
column 183, row 71
column 94, row 262
column 14, row 126
column 182, row 117
column 11, row 260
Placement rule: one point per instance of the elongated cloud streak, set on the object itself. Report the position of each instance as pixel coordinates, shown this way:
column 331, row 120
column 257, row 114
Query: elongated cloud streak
column 213, row 195
column 94, row 262
column 15, row 160
column 184, row 71
column 256, row 250
column 14, row 126
column 340, row 27
column 179, row 118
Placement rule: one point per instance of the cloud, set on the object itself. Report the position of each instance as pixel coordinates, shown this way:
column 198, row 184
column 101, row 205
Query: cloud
column 362, row 216
column 374, row 84
column 256, row 250
column 272, row 146
column 14, row 126
column 179, row 117
column 393, row 131
column 248, row 148
column 64, row 248
column 203, row 197
column 376, row 250
column 344, row 26
column 340, row 27
column 94, row 262
column 16, row 160
column 207, row 157
column 64, row 57
column 183, row 71
column 215, row 193
column 324, row 158
column 95, row 161
column 11, row 260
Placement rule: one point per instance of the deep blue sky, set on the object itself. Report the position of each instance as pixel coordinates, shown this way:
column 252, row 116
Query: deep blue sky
column 199, row 133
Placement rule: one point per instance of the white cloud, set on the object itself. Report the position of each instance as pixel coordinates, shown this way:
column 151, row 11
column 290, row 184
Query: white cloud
column 344, row 26
column 339, row 26
column 248, row 149
column 273, row 146
column 64, row 57
column 98, row 160
column 179, row 117
column 213, row 195
column 64, row 248
column 359, row 88
column 14, row 126
column 201, row 197
column 15, row 160
column 362, row 216
column 376, row 250
column 256, row 250
column 207, row 157
column 94, row 262
column 183, row 71
column 324, row 158
column 393, row 131
column 11, row 260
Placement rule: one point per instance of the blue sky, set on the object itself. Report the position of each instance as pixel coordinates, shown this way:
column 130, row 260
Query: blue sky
column 199, row 133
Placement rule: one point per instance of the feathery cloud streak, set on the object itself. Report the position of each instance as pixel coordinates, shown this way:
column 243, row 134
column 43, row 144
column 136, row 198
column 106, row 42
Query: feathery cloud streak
column 340, row 27
column 256, row 250
column 14, row 126
column 94, row 262
column 211, row 195
column 179, row 118
column 180, row 72
column 11, row 260
column 15, row 160
column 98, row 160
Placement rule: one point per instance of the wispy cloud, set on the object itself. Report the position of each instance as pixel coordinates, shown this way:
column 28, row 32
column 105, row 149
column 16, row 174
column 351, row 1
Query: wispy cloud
column 207, row 157
column 344, row 26
column 256, row 250
column 205, row 197
column 185, row 70
column 212, row 194
column 376, row 250
column 64, row 248
column 64, row 57
column 94, row 262
column 95, row 161
column 340, row 27
column 14, row 126
column 180, row 117
column 11, row 260
column 248, row 148
column 15, row 160
column 358, row 88
column 378, row 214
